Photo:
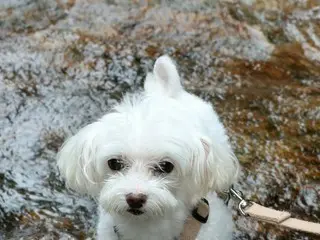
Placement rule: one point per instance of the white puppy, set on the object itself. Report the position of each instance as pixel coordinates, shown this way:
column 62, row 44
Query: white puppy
column 151, row 159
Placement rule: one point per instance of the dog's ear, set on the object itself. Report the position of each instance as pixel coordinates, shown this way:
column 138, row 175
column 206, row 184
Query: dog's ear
column 77, row 161
column 216, row 167
column 164, row 79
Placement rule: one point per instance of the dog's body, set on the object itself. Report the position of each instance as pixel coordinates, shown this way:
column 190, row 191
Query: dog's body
column 151, row 159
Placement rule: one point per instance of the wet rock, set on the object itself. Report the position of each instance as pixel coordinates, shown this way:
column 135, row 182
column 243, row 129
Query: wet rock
column 32, row 15
column 64, row 63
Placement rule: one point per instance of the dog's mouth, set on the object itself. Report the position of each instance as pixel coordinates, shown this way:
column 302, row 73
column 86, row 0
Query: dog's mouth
column 135, row 211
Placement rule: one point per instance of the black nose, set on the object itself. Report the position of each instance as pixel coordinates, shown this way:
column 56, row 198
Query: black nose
column 136, row 200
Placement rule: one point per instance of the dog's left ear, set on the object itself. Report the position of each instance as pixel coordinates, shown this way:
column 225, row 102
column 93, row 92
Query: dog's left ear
column 216, row 166
column 164, row 79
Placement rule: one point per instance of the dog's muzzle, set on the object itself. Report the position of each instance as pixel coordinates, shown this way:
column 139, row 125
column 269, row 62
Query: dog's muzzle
column 135, row 203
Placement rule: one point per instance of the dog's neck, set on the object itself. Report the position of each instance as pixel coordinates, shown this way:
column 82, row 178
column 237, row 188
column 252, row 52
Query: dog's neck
column 168, row 227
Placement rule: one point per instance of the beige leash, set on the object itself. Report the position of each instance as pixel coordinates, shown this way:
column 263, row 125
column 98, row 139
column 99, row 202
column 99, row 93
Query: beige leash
column 200, row 216
column 280, row 218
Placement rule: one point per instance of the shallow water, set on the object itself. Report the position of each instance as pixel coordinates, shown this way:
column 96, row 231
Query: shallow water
column 64, row 62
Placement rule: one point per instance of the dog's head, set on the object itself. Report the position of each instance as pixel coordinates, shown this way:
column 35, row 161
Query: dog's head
column 154, row 150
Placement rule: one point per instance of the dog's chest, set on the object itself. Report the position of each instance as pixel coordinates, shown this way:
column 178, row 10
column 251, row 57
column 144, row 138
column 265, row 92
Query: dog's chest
column 145, row 235
column 161, row 229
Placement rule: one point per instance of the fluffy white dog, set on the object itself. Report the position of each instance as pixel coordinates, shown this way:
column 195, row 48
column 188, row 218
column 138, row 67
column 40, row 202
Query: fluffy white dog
column 151, row 159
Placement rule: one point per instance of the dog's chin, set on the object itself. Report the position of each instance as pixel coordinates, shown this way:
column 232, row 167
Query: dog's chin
column 133, row 215
column 135, row 212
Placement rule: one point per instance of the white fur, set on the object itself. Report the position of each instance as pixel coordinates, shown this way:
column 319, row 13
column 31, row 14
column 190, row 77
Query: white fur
column 162, row 123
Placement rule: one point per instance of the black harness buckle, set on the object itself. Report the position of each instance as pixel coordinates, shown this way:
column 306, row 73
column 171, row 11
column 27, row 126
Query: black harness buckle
column 198, row 217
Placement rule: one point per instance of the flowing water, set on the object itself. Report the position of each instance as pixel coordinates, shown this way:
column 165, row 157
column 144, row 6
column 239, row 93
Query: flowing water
column 63, row 62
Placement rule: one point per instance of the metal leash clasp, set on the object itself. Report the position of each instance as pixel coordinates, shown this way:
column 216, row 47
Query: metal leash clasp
column 238, row 195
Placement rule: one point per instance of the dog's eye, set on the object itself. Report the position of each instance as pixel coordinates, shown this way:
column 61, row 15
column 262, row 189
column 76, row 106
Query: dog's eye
column 115, row 164
column 164, row 167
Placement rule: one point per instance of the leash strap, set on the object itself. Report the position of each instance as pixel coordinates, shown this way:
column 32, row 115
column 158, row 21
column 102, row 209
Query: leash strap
column 194, row 222
column 280, row 218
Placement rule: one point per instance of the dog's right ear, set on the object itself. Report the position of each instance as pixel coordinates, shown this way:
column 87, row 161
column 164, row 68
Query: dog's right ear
column 164, row 79
column 77, row 161
column 216, row 168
